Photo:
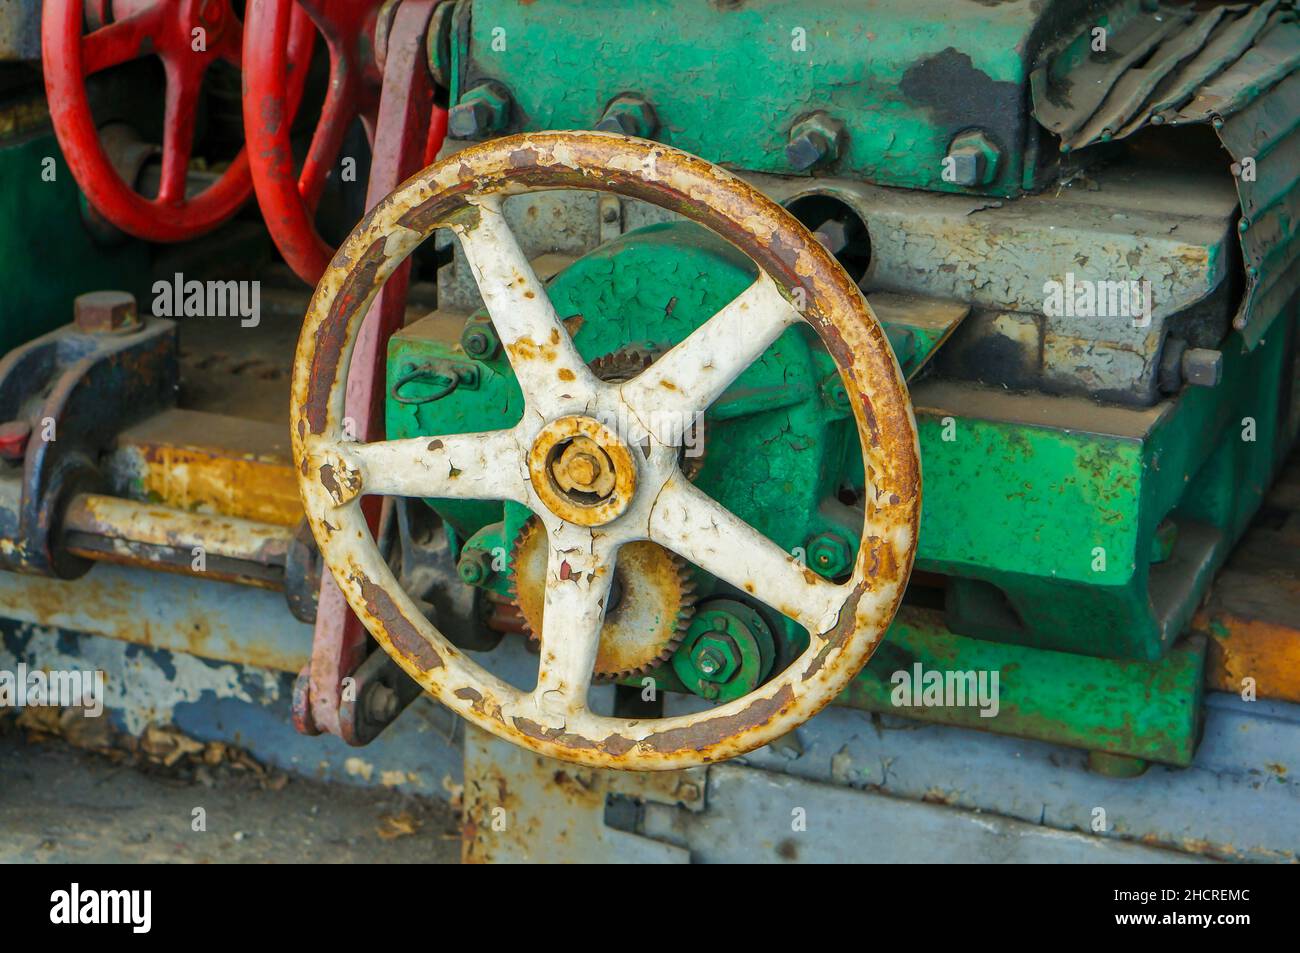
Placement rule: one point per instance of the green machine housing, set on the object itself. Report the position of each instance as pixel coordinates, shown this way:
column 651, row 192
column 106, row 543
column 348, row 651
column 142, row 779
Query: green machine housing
column 1089, row 456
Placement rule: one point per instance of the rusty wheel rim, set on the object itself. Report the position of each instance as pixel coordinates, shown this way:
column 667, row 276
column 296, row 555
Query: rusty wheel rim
column 846, row 621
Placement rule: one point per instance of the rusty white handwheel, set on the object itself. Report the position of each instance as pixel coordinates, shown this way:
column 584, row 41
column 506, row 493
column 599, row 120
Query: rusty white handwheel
column 598, row 461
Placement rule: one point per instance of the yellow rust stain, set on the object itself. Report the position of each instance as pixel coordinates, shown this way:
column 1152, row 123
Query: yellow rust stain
column 199, row 481
column 1265, row 651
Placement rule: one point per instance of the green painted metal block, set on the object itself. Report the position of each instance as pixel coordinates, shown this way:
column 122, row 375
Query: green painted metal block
column 731, row 81
column 1148, row 710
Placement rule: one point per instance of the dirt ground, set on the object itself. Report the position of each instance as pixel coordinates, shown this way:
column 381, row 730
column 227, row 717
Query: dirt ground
column 59, row 804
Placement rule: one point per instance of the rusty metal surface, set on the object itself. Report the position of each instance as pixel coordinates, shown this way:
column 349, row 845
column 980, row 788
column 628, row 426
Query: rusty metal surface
column 179, row 613
column 402, row 132
column 1173, row 227
column 1268, row 131
column 641, row 629
column 456, row 192
column 519, row 807
column 157, row 537
column 85, row 386
column 208, row 463
column 1253, row 612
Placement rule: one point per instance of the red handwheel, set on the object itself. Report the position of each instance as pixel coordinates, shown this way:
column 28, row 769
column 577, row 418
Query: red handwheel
column 188, row 36
column 277, row 51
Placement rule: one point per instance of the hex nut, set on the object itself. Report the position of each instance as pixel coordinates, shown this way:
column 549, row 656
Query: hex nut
column 629, row 115
column 479, row 340
column 830, row 555
column 814, row 140
column 972, row 159
column 483, row 110
column 381, row 704
column 1202, row 367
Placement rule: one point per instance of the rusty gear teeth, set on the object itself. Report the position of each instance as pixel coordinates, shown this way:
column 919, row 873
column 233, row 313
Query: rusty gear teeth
column 626, row 363
column 661, row 645
column 677, row 600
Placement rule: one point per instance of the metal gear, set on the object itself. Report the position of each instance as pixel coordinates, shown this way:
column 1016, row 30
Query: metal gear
column 653, row 598
column 626, row 363
column 651, row 602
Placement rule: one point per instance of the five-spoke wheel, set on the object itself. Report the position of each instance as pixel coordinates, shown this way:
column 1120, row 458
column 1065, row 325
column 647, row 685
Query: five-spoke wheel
column 598, row 461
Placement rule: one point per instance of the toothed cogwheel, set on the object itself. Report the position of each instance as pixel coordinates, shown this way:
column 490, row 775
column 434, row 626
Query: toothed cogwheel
column 651, row 602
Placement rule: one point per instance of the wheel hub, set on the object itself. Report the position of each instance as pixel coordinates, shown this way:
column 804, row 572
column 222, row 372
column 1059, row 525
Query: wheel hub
column 582, row 471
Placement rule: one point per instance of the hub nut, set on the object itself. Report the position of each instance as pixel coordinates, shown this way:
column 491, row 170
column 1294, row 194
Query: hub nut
column 583, row 467
column 631, row 116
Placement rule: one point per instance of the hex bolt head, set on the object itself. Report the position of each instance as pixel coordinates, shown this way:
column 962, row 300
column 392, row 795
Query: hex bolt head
column 106, row 312
column 829, row 555
column 806, row 150
column 468, row 120
column 967, row 167
column 708, row 662
column 814, row 140
column 834, row 235
column 715, row 656
column 629, row 115
column 1202, row 367
column 381, row 704
column 483, row 110
column 972, row 160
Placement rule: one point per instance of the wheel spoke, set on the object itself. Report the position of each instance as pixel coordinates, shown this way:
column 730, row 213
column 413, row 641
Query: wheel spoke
column 119, row 42
column 692, row 375
column 337, row 113
column 471, row 466
column 698, row 528
column 184, row 79
column 550, row 372
column 579, row 572
column 232, row 48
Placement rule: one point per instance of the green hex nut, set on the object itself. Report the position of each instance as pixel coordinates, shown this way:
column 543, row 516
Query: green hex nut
column 715, row 658
column 830, row 555
column 630, row 115
column 479, row 340
column 474, row 567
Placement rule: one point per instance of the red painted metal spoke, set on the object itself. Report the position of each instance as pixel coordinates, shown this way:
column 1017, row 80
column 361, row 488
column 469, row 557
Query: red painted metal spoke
column 337, row 114
column 272, row 91
column 184, row 80
column 120, row 42
column 232, row 50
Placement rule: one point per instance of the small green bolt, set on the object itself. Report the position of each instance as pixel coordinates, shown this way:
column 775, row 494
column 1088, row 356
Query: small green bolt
column 474, row 567
column 709, row 662
column 479, row 340
column 830, row 554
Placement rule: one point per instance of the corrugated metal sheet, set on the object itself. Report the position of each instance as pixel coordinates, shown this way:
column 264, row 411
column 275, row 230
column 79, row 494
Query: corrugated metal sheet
column 1236, row 66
